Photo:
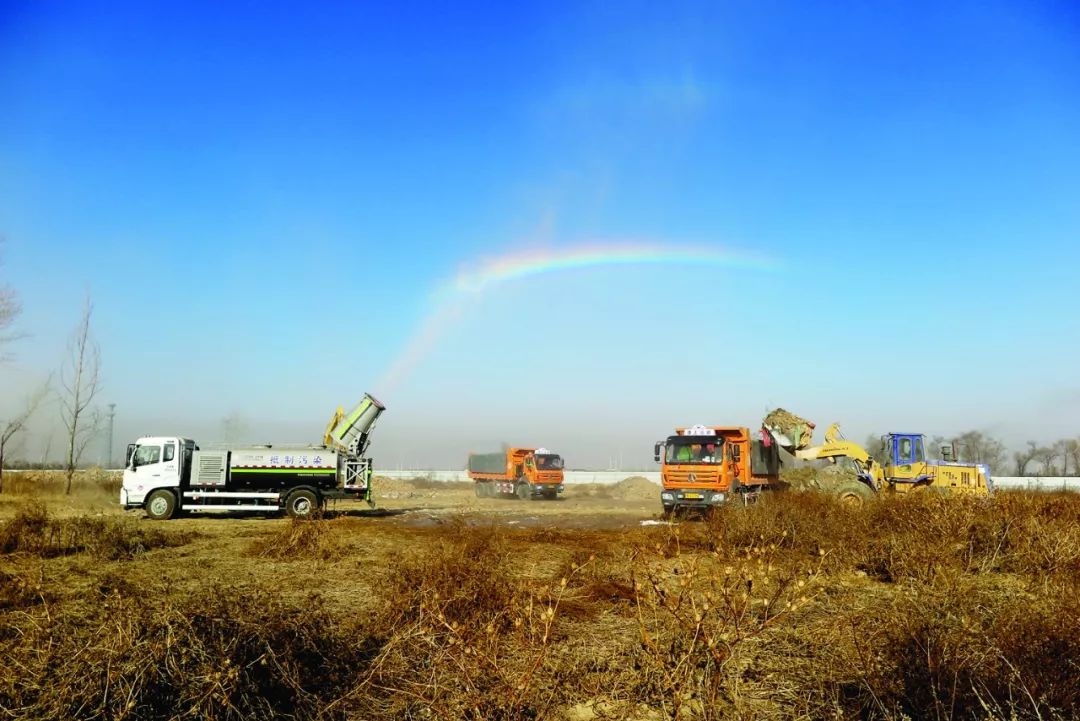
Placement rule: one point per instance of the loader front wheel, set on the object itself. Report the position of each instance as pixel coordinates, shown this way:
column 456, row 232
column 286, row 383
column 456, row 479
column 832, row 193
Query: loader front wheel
column 302, row 504
column 854, row 494
column 161, row 505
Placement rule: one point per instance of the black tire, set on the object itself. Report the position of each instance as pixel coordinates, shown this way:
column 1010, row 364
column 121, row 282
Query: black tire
column 480, row 491
column 303, row 503
column 855, row 494
column 523, row 491
column 161, row 505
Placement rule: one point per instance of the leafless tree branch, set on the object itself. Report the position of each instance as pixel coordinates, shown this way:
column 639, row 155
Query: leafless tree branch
column 80, row 380
column 17, row 423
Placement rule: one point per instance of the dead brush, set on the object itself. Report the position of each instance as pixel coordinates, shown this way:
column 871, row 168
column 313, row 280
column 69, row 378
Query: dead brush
column 799, row 524
column 91, row 483
column 32, row 531
column 300, row 539
column 470, row 641
column 221, row 653
column 695, row 614
column 962, row 650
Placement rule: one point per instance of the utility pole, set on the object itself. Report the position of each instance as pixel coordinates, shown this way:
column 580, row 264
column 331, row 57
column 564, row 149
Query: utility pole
column 112, row 415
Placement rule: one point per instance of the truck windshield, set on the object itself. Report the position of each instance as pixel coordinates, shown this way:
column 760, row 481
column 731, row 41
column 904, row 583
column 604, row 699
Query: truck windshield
column 695, row 449
column 549, row 463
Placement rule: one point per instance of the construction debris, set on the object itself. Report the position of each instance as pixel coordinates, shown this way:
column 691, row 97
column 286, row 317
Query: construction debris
column 796, row 431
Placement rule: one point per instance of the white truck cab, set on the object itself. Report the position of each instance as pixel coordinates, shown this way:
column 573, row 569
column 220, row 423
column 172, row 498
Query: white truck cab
column 155, row 462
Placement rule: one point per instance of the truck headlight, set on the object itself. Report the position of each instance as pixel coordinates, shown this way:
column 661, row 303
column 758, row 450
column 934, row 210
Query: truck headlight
column 666, row 496
column 717, row 498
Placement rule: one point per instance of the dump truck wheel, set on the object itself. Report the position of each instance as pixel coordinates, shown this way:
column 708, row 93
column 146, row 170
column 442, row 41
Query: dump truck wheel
column 302, row 504
column 161, row 505
column 523, row 491
column 479, row 490
column 854, row 494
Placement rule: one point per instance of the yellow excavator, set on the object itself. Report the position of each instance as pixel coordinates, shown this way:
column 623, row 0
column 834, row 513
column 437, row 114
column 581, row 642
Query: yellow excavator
column 907, row 470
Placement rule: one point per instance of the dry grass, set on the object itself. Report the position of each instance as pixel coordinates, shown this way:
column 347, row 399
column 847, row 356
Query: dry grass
column 797, row 607
column 34, row 532
column 299, row 539
column 90, row 483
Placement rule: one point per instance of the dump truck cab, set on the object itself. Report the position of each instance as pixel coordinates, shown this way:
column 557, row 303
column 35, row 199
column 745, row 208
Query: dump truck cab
column 517, row 472
column 703, row 466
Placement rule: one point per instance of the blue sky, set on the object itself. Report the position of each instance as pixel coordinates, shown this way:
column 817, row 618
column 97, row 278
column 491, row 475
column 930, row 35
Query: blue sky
column 262, row 200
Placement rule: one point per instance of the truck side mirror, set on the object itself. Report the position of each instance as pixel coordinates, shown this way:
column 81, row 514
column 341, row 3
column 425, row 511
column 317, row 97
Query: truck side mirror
column 130, row 453
column 656, row 453
column 736, row 453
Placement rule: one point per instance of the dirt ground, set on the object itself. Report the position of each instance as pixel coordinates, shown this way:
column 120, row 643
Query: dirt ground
column 437, row 604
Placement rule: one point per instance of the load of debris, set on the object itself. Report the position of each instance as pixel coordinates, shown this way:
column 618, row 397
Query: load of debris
column 790, row 430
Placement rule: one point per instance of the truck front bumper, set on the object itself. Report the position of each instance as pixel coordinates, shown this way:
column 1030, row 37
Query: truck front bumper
column 542, row 488
column 691, row 498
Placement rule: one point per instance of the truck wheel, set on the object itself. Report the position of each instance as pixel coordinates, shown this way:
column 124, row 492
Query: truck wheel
column 161, row 505
column 302, row 504
column 479, row 490
column 523, row 491
column 854, row 494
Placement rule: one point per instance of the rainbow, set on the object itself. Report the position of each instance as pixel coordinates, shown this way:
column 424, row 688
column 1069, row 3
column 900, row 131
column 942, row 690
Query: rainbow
column 488, row 272
column 452, row 298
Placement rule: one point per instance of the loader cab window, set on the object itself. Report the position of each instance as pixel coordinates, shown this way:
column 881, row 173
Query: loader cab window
column 695, row 449
column 909, row 450
column 146, row 455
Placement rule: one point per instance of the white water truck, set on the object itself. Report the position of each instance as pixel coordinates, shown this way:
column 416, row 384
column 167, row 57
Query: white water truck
column 166, row 475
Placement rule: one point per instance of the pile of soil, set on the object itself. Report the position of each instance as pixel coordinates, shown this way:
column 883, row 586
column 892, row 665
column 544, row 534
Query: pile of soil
column 635, row 488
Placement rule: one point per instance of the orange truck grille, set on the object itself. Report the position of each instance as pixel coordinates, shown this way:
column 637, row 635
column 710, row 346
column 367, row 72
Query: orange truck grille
column 676, row 478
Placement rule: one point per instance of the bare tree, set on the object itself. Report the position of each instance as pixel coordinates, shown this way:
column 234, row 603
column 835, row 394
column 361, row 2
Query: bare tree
column 9, row 311
column 877, row 449
column 17, row 423
column 1047, row 456
column 1072, row 453
column 1025, row 457
column 977, row 447
column 80, row 379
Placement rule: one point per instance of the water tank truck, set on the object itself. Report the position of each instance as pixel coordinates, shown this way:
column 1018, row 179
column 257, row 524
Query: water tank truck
column 166, row 475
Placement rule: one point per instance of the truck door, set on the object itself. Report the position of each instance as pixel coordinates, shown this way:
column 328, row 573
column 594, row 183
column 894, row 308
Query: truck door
column 156, row 465
column 146, row 465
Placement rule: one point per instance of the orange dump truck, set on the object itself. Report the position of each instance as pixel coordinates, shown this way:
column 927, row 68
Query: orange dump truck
column 522, row 472
column 703, row 466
